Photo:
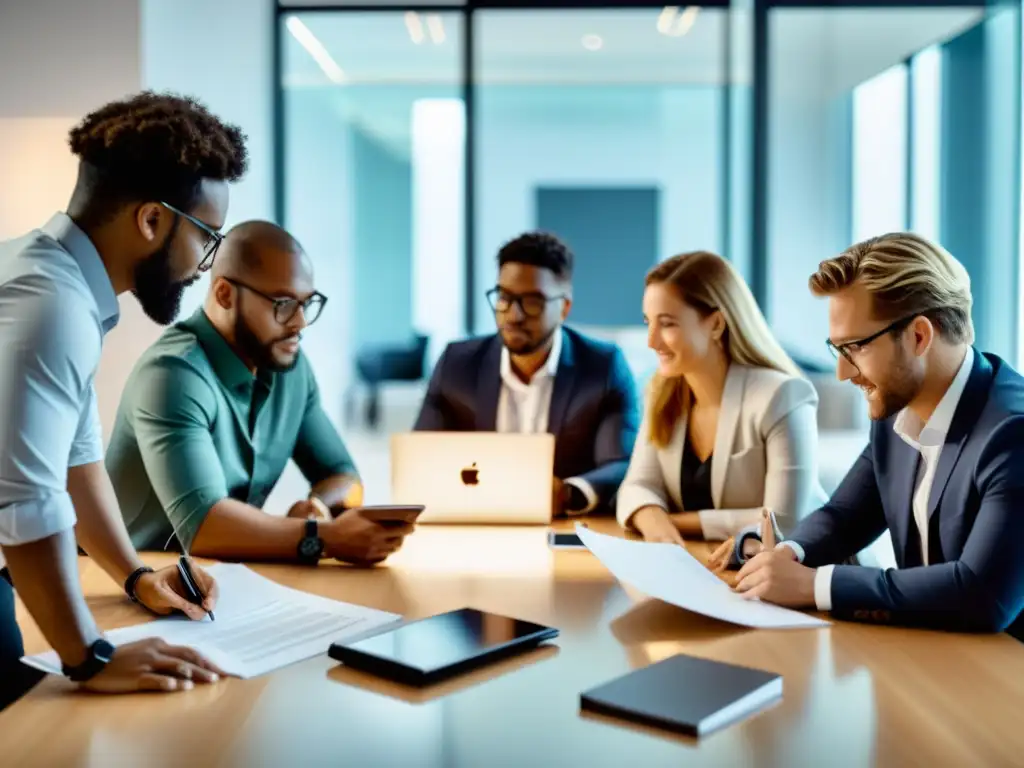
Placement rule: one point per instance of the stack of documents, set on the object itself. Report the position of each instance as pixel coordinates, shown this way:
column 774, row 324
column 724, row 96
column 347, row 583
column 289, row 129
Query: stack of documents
column 670, row 573
column 260, row 626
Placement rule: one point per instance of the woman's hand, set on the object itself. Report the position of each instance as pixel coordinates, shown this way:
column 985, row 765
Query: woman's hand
column 655, row 525
column 720, row 558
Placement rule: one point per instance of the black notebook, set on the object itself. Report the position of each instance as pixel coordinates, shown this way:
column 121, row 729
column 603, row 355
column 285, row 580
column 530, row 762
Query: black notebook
column 685, row 694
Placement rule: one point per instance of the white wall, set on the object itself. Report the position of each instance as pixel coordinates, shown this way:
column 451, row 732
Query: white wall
column 69, row 58
column 222, row 53
column 808, row 191
column 72, row 57
column 319, row 213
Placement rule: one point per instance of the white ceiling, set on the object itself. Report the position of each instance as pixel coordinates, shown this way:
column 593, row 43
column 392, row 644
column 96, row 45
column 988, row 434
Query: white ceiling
column 540, row 46
column 627, row 78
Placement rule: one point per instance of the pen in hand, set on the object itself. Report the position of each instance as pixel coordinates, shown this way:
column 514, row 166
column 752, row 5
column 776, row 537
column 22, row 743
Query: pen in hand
column 188, row 579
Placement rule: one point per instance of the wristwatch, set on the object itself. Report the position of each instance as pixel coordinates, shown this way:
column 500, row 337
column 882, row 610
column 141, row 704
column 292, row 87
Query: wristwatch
column 100, row 654
column 311, row 547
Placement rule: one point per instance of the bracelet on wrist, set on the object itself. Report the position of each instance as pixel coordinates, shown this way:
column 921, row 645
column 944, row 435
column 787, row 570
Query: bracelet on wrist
column 133, row 580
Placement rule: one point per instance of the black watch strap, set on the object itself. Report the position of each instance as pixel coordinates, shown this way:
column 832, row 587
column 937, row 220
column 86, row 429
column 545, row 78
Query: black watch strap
column 311, row 547
column 132, row 581
column 100, row 654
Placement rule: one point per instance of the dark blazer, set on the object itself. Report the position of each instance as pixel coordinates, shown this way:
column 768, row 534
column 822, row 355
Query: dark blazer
column 594, row 410
column 975, row 577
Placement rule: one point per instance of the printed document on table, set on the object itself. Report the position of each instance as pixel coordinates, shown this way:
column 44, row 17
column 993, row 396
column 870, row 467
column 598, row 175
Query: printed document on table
column 260, row 626
column 670, row 573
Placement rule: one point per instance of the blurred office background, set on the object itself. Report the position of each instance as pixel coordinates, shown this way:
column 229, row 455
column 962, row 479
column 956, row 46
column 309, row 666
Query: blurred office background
column 404, row 143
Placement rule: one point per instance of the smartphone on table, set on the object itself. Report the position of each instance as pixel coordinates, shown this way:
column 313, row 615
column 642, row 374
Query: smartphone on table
column 564, row 540
column 392, row 514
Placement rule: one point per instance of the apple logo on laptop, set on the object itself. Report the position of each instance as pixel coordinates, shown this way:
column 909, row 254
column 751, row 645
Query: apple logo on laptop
column 470, row 475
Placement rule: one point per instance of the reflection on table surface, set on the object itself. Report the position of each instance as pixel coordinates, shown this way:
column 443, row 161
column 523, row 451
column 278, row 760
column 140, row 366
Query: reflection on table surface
column 854, row 695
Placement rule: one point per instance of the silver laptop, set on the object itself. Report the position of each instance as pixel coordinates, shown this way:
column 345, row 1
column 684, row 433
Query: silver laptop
column 474, row 477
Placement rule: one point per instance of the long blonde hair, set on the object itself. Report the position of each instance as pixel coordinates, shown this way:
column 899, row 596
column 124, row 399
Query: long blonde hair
column 707, row 282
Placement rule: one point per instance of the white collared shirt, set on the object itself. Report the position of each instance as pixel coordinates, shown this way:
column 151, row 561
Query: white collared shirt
column 524, row 407
column 56, row 305
column 927, row 438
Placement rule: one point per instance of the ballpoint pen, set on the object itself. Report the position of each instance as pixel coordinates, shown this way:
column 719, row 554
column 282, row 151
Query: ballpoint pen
column 775, row 526
column 193, row 595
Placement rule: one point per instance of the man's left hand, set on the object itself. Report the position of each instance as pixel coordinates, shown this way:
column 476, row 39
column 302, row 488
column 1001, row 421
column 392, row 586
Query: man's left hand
column 557, row 498
column 777, row 577
column 163, row 592
column 305, row 509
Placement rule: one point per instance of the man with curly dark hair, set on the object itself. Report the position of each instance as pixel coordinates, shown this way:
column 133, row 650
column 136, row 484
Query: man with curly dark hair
column 145, row 215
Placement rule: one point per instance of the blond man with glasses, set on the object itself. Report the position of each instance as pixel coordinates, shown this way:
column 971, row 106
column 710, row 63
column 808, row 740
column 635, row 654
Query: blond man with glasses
column 944, row 468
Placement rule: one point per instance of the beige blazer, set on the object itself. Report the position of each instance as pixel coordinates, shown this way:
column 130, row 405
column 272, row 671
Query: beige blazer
column 765, row 455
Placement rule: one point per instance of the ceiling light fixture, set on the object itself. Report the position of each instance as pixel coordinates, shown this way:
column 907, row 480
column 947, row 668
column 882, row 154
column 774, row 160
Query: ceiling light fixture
column 415, row 27
column 305, row 37
column 593, row 42
column 675, row 23
column 436, row 28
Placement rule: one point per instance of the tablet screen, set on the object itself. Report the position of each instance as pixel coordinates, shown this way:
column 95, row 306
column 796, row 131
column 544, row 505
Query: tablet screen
column 448, row 638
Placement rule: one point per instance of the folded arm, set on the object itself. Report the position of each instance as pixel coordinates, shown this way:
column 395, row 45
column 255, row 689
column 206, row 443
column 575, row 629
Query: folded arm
column 983, row 590
column 616, row 436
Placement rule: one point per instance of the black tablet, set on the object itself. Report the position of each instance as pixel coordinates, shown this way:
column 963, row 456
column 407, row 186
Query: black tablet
column 430, row 650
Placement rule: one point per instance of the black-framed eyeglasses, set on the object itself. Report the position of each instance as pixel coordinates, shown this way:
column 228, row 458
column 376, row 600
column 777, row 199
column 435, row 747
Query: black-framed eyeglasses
column 532, row 304
column 850, row 348
column 285, row 308
column 213, row 237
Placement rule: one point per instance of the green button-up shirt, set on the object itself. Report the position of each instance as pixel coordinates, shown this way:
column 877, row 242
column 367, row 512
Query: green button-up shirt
column 194, row 426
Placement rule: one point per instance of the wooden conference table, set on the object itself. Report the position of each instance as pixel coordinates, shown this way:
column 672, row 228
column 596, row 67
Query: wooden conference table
column 854, row 695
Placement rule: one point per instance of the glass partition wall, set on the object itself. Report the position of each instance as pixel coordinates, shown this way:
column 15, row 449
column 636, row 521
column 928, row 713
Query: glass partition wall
column 413, row 140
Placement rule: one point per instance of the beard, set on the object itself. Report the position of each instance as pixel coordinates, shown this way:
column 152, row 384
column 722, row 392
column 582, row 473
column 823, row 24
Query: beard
column 895, row 394
column 158, row 293
column 259, row 353
column 525, row 345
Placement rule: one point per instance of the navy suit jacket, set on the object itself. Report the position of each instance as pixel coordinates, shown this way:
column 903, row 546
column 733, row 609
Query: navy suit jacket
column 975, row 577
column 594, row 408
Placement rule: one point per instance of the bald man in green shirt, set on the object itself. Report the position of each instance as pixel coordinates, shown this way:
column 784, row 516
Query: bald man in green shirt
column 214, row 410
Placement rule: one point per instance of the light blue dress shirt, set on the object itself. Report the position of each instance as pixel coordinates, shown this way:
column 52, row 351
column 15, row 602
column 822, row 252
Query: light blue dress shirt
column 56, row 305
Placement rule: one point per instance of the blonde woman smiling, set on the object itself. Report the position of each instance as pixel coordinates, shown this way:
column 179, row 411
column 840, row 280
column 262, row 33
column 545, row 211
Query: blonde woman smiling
column 730, row 423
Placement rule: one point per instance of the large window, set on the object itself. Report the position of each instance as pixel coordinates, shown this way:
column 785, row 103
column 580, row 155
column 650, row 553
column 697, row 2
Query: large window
column 607, row 127
column 838, row 137
column 879, row 139
column 413, row 146
column 374, row 127
column 925, row 143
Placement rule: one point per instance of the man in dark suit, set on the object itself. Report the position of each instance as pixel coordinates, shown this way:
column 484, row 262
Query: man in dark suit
column 534, row 375
column 944, row 468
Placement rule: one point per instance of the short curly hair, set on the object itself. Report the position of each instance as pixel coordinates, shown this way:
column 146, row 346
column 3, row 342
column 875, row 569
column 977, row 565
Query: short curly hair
column 153, row 147
column 538, row 249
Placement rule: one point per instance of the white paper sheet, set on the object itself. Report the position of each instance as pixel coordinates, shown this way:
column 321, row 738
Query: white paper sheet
column 670, row 573
column 260, row 625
